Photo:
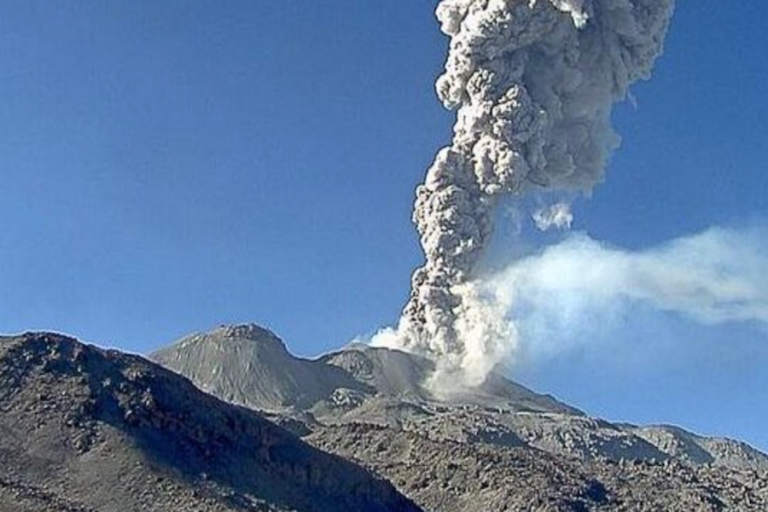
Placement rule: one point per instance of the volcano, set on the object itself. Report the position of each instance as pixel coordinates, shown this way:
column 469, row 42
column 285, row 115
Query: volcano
column 499, row 446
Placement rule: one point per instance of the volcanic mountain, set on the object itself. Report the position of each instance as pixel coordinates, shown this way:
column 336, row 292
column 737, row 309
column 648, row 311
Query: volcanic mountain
column 84, row 429
column 250, row 366
column 496, row 447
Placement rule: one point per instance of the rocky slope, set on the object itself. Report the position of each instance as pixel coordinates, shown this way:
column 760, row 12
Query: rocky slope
column 465, row 476
column 83, row 429
column 500, row 447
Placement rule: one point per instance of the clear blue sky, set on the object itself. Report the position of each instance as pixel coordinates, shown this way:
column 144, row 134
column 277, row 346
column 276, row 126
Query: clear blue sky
column 170, row 166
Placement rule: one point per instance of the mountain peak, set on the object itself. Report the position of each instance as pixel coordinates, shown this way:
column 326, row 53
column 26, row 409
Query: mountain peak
column 47, row 349
column 248, row 341
column 227, row 363
column 249, row 365
column 246, row 332
column 246, row 335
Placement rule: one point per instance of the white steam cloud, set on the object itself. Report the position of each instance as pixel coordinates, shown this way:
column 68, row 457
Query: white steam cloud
column 557, row 216
column 533, row 83
column 541, row 303
column 716, row 277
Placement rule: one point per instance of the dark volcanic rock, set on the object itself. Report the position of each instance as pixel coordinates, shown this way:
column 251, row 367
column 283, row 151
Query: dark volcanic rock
column 83, row 429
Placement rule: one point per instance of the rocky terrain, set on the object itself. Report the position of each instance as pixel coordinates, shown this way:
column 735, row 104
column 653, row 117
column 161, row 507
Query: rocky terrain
column 83, row 429
column 498, row 447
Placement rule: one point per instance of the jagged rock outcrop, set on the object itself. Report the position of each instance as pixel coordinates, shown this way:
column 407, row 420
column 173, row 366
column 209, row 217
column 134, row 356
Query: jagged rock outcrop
column 84, row 429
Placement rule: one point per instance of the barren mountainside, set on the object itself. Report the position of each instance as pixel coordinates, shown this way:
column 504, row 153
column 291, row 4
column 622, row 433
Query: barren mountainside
column 83, row 429
column 251, row 366
column 499, row 447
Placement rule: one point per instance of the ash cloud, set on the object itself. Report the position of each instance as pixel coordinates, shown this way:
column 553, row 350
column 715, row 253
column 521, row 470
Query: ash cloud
column 532, row 83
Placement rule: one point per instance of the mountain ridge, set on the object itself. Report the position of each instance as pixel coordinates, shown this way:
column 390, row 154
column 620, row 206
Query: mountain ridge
column 357, row 367
column 84, row 429
column 383, row 375
column 458, row 454
column 92, row 429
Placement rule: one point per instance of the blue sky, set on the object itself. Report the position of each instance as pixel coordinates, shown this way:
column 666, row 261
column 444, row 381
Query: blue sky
column 170, row 166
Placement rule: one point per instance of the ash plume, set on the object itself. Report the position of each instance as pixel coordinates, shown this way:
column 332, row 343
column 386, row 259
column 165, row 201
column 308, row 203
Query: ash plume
column 532, row 83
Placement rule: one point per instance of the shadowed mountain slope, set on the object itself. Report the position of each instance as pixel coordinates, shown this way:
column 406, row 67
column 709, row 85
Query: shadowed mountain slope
column 83, row 429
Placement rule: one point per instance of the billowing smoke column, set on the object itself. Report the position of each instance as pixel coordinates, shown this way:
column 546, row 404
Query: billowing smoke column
column 533, row 83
